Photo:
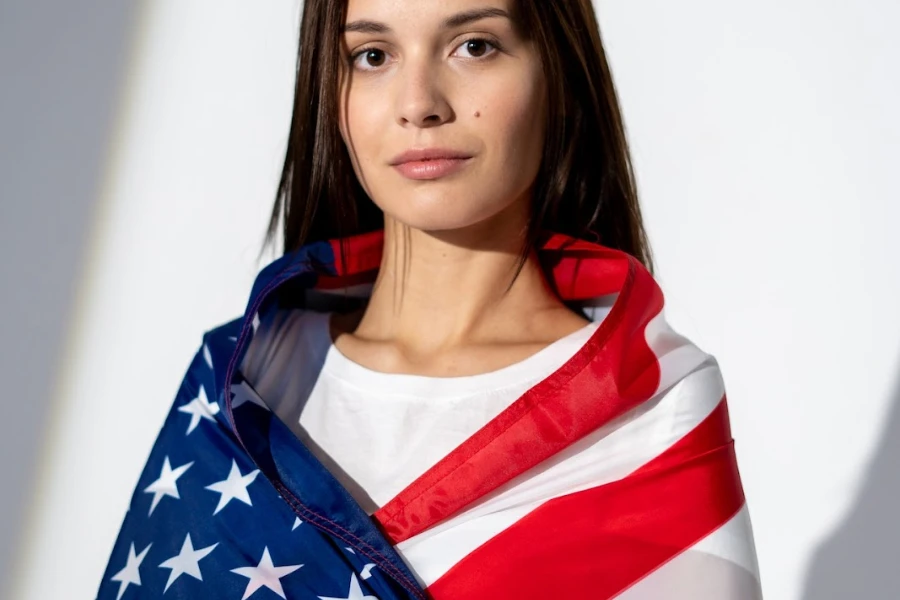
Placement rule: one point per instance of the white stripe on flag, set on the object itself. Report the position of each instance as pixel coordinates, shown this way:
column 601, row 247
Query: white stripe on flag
column 719, row 566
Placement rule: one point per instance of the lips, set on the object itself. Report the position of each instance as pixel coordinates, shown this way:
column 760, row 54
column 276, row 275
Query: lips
column 431, row 169
column 430, row 163
column 426, row 154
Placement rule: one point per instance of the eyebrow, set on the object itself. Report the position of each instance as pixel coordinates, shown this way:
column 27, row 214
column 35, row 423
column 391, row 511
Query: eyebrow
column 451, row 22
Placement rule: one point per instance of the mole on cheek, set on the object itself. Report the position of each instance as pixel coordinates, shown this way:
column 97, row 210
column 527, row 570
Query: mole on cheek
column 477, row 114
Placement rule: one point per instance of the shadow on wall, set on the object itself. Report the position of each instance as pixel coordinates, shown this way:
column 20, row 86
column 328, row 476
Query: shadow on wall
column 861, row 559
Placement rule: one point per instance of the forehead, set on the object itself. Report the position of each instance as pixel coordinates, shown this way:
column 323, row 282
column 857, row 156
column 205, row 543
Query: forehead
column 418, row 13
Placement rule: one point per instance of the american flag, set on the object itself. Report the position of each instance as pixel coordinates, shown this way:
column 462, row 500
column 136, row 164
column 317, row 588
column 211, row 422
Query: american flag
column 614, row 477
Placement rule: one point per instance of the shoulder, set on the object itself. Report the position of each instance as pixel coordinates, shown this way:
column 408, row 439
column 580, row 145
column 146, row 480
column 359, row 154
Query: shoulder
column 690, row 385
column 202, row 384
column 285, row 341
column 217, row 347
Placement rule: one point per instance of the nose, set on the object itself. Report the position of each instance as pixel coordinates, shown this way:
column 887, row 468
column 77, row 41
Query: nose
column 420, row 97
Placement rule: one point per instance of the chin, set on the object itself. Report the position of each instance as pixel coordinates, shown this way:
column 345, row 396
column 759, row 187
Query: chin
column 439, row 213
column 434, row 221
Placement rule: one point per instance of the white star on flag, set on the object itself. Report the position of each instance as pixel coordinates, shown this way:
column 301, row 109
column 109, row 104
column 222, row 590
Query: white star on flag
column 367, row 570
column 187, row 561
column 355, row 592
column 207, row 356
column 130, row 573
column 297, row 523
column 244, row 393
column 233, row 487
column 265, row 574
column 199, row 408
column 167, row 484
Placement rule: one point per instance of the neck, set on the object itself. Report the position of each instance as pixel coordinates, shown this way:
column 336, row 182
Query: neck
column 440, row 290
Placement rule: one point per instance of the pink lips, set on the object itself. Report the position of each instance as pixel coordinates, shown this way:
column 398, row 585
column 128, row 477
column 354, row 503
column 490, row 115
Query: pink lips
column 431, row 169
column 430, row 163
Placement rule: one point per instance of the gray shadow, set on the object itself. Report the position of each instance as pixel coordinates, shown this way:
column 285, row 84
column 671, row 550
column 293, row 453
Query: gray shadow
column 861, row 559
column 61, row 67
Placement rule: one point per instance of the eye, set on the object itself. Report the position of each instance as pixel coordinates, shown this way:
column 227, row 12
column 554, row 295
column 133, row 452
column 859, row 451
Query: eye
column 371, row 58
column 479, row 47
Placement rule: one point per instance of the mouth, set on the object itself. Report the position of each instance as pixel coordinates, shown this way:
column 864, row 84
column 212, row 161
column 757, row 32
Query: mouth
column 431, row 168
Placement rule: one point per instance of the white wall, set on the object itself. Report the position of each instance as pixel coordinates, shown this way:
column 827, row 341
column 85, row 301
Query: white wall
column 763, row 135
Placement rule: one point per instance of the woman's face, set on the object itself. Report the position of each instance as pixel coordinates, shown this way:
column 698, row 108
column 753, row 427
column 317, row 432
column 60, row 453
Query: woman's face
column 444, row 76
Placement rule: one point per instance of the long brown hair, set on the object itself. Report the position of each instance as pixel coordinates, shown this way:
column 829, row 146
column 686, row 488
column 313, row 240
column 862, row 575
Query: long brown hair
column 585, row 186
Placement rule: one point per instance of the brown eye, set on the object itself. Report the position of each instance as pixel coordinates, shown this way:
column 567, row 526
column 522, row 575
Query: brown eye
column 476, row 47
column 374, row 57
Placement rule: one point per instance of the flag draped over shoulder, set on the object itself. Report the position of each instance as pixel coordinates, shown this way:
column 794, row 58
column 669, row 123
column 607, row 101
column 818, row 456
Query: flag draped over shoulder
column 614, row 477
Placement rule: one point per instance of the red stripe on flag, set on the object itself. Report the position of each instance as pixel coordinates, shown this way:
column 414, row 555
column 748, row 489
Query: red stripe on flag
column 326, row 282
column 597, row 543
column 362, row 253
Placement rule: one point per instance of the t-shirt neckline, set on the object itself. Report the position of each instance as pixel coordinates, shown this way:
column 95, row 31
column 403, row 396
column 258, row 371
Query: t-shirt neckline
column 531, row 369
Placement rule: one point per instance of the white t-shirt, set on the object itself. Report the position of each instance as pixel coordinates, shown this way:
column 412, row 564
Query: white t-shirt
column 377, row 432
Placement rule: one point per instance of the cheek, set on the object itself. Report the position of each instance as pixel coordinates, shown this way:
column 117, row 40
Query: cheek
column 356, row 133
column 365, row 127
column 515, row 124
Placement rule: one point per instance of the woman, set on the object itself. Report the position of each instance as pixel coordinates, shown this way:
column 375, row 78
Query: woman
column 457, row 382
